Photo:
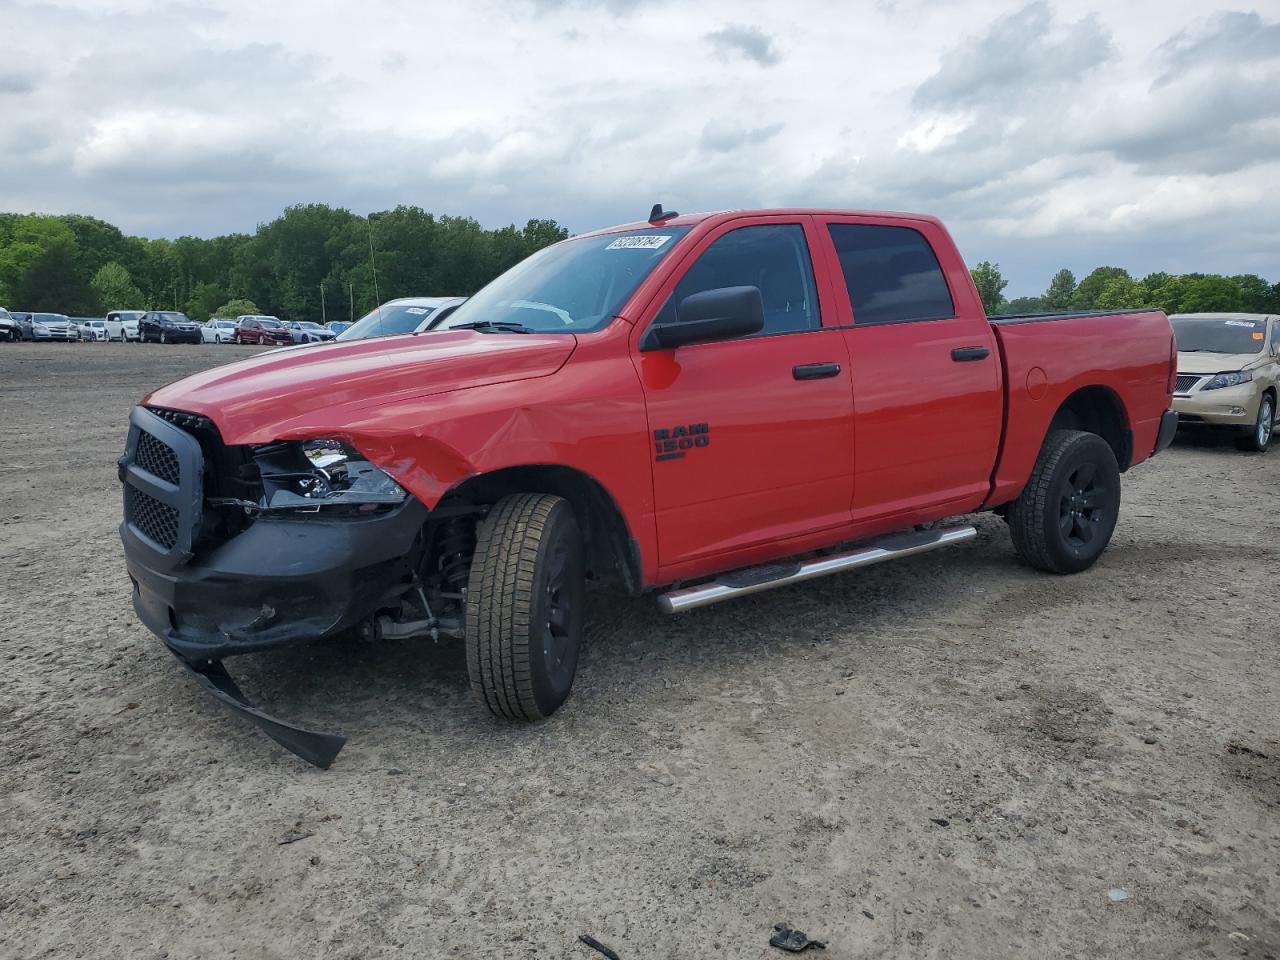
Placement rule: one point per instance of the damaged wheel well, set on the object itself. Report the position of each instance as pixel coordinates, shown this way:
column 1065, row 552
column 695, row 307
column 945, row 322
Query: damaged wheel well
column 611, row 552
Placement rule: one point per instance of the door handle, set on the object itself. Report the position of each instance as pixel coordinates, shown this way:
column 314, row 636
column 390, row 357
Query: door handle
column 964, row 354
column 815, row 371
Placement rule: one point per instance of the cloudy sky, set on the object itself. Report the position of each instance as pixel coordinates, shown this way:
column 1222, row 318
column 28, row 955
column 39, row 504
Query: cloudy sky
column 1052, row 133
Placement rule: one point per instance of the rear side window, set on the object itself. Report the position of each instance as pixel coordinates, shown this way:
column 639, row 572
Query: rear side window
column 892, row 274
column 773, row 257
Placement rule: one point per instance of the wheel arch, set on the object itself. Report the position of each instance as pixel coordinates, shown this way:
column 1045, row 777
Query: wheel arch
column 611, row 549
column 1098, row 409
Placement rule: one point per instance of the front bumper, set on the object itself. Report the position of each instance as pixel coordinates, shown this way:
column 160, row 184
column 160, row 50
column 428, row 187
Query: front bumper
column 1227, row 407
column 277, row 582
column 181, row 336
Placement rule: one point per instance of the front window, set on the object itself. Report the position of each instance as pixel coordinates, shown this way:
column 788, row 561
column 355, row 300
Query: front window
column 1219, row 334
column 774, row 258
column 572, row 286
column 271, row 324
column 172, row 317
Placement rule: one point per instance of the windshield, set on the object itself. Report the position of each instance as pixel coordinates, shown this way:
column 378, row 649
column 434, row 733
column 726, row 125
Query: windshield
column 309, row 325
column 386, row 321
column 1219, row 334
column 173, row 317
column 572, row 286
column 49, row 318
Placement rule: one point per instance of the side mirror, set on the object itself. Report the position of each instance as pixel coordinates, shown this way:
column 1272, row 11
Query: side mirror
column 720, row 314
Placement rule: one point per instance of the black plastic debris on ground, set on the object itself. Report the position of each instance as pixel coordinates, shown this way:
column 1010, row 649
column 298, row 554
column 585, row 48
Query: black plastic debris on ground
column 787, row 939
column 595, row 944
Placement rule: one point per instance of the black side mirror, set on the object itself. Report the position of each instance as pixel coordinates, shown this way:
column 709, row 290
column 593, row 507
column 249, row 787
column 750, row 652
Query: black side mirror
column 719, row 314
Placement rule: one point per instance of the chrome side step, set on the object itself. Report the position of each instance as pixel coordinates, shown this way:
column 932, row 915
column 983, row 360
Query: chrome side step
column 739, row 583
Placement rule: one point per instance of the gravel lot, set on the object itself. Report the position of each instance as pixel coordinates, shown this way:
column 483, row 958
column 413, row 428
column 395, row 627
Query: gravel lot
column 948, row 756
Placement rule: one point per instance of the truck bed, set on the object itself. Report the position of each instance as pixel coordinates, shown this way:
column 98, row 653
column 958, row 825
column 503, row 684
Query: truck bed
column 1122, row 355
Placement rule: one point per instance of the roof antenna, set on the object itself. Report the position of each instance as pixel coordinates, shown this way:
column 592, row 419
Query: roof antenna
column 658, row 215
column 377, row 297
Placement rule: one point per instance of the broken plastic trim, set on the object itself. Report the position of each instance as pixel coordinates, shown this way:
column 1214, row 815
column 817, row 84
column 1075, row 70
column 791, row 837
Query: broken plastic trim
column 313, row 746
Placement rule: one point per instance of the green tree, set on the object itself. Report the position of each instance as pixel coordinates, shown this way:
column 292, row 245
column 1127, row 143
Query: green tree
column 1061, row 289
column 1256, row 295
column 205, row 299
column 1021, row 305
column 1121, row 293
column 52, row 283
column 1086, row 295
column 1212, row 294
column 990, row 284
column 115, row 288
column 235, row 308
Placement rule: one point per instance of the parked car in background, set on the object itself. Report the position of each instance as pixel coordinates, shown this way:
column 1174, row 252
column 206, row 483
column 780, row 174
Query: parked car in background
column 168, row 326
column 91, row 329
column 1229, row 374
column 122, row 325
column 262, row 330
column 9, row 329
column 307, row 331
column 52, row 326
column 405, row 315
column 218, row 331
column 337, row 326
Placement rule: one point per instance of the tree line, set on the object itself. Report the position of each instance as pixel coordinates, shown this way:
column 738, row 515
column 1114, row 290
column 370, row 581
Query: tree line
column 312, row 262
column 1112, row 288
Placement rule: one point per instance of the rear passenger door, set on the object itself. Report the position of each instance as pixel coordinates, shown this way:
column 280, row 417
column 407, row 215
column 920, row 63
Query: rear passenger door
column 927, row 391
column 752, row 437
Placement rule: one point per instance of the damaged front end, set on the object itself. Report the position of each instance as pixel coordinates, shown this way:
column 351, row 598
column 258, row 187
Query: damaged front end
column 236, row 549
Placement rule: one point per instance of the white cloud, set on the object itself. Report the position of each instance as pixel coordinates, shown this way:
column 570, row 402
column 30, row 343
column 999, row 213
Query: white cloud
column 1047, row 133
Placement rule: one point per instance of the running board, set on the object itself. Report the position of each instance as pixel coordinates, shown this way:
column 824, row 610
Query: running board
column 742, row 582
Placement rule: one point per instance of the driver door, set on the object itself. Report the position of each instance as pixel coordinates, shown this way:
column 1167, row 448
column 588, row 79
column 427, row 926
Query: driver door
column 752, row 438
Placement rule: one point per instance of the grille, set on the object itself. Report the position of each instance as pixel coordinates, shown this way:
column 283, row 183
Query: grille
column 155, row 520
column 157, row 459
column 191, row 422
column 1185, row 382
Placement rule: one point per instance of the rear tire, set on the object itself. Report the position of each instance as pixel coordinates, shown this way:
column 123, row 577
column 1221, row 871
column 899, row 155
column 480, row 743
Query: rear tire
column 1064, row 517
column 1258, row 438
column 524, row 606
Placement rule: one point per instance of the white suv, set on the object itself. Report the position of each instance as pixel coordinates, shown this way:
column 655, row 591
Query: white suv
column 123, row 324
column 9, row 329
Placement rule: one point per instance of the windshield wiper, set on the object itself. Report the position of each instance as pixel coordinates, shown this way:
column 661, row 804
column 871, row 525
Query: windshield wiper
column 494, row 326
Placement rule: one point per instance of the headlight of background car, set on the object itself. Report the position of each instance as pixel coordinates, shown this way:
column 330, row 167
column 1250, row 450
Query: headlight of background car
column 39, row 328
column 327, row 476
column 1229, row 380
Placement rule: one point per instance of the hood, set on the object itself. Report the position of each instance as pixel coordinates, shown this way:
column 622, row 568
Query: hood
column 1203, row 363
column 273, row 395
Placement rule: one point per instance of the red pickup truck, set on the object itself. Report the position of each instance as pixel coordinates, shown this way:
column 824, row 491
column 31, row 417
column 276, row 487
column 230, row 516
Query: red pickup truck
column 695, row 406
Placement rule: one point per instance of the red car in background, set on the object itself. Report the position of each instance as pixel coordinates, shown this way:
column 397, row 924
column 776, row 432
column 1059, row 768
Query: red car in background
column 267, row 330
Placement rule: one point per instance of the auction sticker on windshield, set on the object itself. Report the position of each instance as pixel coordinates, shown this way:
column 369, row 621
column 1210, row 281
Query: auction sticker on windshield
column 644, row 242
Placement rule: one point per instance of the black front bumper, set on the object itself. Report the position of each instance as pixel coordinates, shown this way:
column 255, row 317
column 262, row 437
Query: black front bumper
column 278, row 582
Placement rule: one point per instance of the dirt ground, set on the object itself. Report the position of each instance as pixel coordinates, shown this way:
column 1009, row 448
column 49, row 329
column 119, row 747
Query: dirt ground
column 947, row 756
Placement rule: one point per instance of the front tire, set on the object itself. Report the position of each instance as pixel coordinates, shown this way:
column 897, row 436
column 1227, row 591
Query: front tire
column 1064, row 517
column 524, row 606
column 1258, row 439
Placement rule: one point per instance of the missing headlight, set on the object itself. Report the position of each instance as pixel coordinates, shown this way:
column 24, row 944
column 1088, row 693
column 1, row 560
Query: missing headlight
column 322, row 475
